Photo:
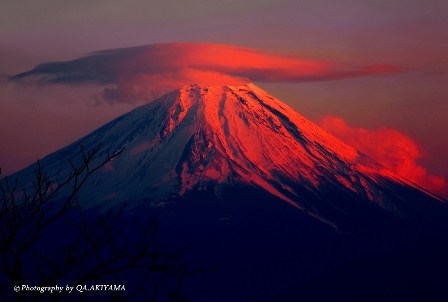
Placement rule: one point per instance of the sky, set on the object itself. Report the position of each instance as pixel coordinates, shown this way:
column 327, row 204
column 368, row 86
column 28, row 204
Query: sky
column 373, row 72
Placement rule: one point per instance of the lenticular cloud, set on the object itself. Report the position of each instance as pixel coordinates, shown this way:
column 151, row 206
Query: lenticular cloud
column 146, row 72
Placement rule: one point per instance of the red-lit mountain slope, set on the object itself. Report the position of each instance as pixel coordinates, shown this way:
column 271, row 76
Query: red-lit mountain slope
column 210, row 139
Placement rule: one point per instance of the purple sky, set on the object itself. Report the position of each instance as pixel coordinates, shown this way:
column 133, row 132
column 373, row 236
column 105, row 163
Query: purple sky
column 413, row 35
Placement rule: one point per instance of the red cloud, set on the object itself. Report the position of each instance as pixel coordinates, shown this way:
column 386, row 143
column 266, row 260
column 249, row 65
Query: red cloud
column 161, row 68
column 148, row 71
column 391, row 148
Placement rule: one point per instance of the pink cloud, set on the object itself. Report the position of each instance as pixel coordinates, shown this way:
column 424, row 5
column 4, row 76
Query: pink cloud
column 391, row 148
column 145, row 72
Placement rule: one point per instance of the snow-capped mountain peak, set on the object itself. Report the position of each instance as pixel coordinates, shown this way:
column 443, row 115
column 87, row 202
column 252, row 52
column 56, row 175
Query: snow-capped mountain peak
column 212, row 138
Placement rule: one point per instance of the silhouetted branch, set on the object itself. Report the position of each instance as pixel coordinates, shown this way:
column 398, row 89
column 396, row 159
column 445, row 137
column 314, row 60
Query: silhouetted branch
column 94, row 248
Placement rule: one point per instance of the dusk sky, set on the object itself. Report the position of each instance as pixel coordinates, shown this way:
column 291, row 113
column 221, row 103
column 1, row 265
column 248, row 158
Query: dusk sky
column 373, row 72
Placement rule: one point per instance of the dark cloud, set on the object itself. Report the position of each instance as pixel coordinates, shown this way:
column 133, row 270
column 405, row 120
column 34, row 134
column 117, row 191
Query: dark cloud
column 144, row 72
column 100, row 68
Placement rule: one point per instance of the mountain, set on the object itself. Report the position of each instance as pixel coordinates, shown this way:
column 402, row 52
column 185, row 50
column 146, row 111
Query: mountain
column 235, row 173
column 214, row 138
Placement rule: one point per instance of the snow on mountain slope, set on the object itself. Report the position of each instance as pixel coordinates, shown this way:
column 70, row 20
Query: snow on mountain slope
column 210, row 138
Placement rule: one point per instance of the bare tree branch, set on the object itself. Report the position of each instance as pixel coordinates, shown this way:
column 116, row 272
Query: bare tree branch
column 96, row 249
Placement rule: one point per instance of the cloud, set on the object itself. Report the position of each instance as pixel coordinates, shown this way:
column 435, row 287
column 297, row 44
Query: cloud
column 391, row 148
column 145, row 72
